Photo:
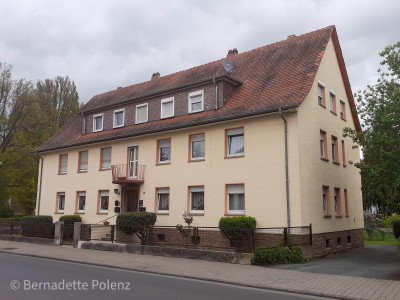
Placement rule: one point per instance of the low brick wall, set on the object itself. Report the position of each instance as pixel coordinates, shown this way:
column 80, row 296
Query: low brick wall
column 27, row 239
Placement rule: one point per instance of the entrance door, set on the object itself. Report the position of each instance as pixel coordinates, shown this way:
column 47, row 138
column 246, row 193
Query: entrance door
column 132, row 200
column 133, row 162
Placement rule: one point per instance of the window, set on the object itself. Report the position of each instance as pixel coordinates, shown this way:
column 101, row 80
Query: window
column 196, row 101
column 346, row 204
column 81, row 202
column 196, row 199
column 167, row 108
column 342, row 110
column 235, row 142
column 63, row 164
column 332, row 101
column 344, row 154
column 141, row 113
column 163, row 200
column 326, row 201
column 103, row 202
column 60, row 202
column 119, row 118
column 196, row 147
column 335, row 152
column 83, row 161
column 164, row 151
column 98, row 122
column 323, row 145
column 338, row 205
column 105, row 158
column 235, row 198
column 321, row 95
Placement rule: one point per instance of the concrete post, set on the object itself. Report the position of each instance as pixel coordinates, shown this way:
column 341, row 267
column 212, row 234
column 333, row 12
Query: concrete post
column 77, row 233
column 58, row 234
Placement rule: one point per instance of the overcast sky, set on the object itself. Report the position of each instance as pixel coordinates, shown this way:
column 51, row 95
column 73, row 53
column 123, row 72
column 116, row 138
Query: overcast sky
column 103, row 44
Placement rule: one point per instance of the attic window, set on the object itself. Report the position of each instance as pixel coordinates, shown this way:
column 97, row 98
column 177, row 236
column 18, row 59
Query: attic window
column 196, row 101
column 167, row 108
column 119, row 118
column 98, row 122
column 141, row 113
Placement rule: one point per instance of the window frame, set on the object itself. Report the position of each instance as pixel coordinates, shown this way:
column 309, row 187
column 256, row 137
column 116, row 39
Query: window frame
column 61, row 171
column 327, row 201
column 94, row 122
column 159, row 161
column 323, row 145
column 163, row 102
column 117, row 111
column 199, row 158
column 99, row 203
column 346, row 203
column 337, row 199
column 147, row 113
column 342, row 109
column 190, row 103
column 227, row 142
column 162, row 191
column 236, row 212
column 344, row 154
column 80, row 169
column 322, row 97
column 332, row 102
column 58, row 198
column 335, row 150
column 191, row 190
column 102, row 168
column 78, row 195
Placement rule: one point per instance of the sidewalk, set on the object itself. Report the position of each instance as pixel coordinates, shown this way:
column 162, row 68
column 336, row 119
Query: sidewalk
column 334, row 286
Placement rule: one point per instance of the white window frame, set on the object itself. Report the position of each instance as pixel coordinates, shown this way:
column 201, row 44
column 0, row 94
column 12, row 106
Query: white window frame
column 58, row 202
column 94, row 122
column 322, row 97
column 342, row 109
column 230, row 133
column 81, row 169
column 63, row 171
column 81, row 194
column 115, row 125
column 147, row 113
column 194, row 94
column 102, row 165
column 332, row 104
column 160, row 142
column 167, row 100
column 162, row 191
column 104, row 194
column 196, row 189
column 196, row 136
column 235, row 189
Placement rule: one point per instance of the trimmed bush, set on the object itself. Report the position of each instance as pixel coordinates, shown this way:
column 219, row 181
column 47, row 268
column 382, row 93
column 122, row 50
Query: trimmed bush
column 37, row 226
column 237, row 230
column 278, row 255
column 388, row 222
column 68, row 228
column 71, row 219
column 136, row 223
column 396, row 229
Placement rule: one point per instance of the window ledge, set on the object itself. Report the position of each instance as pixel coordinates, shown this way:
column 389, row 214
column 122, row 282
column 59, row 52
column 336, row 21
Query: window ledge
column 79, row 212
column 338, row 216
column 102, row 213
column 322, row 105
column 163, row 163
column 162, row 213
column 105, row 169
column 62, row 174
column 327, row 216
column 343, row 119
column 82, row 171
column 336, row 163
column 196, row 214
column 59, row 212
column 234, row 214
column 234, row 156
column 196, row 160
column 333, row 112
column 324, row 159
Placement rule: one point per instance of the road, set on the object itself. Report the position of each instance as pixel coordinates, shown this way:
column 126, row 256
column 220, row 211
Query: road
column 24, row 277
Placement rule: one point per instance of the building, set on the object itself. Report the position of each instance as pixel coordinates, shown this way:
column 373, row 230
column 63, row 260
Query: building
column 256, row 133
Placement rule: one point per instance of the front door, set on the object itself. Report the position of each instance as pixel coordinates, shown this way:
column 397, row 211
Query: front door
column 133, row 162
column 132, row 204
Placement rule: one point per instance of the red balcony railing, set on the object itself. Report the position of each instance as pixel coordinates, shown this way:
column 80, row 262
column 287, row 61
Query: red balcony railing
column 130, row 173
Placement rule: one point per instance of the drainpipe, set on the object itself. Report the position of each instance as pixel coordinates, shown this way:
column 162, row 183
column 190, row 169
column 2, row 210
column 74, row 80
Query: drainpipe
column 39, row 193
column 216, row 93
column 286, row 169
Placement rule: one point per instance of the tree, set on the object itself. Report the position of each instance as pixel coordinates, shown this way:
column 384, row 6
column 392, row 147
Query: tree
column 379, row 109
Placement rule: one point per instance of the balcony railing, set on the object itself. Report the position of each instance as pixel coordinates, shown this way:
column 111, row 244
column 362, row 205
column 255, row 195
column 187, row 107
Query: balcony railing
column 131, row 173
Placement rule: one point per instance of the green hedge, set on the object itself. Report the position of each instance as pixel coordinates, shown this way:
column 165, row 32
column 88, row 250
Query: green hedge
column 278, row 255
column 396, row 229
column 136, row 223
column 237, row 230
column 389, row 221
column 37, row 226
column 71, row 219
column 68, row 228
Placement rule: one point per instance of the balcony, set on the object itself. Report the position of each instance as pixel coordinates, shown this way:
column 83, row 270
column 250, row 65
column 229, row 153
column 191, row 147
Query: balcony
column 127, row 174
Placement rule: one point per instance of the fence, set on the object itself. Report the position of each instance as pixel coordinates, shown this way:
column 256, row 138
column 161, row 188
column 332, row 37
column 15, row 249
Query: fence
column 10, row 226
column 244, row 240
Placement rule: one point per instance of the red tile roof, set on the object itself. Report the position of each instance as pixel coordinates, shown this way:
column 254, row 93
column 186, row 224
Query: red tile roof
column 273, row 76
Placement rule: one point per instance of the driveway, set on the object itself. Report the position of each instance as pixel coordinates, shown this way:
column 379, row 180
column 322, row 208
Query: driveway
column 379, row 262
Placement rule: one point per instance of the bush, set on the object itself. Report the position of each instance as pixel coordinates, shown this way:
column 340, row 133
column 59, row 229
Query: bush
column 278, row 255
column 396, row 229
column 68, row 228
column 388, row 222
column 136, row 223
column 237, row 229
column 37, row 226
column 71, row 219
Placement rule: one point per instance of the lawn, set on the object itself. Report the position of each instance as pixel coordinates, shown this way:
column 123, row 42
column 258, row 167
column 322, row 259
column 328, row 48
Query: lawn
column 381, row 238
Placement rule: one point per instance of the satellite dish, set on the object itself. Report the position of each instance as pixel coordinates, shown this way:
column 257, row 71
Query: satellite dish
column 228, row 66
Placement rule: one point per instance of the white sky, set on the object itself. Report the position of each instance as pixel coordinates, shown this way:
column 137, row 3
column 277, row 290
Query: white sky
column 104, row 44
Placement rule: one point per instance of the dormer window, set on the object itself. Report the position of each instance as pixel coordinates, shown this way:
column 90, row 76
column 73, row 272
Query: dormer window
column 141, row 113
column 119, row 118
column 196, row 101
column 98, row 122
column 167, row 108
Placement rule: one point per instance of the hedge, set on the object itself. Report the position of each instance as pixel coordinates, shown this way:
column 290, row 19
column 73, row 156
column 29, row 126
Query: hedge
column 71, row 219
column 136, row 223
column 237, row 229
column 396, row 229
column 278, row 255
column 68, row 230
column 37, row 226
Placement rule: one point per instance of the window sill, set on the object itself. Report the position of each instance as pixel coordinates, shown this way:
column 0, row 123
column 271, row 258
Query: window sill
column 162, row 213
column 105, row 169
column 347, row 216
column 324, row 159
column 336, row 163
column 322, row 105
column 234, row 214
column 79, row 213
column 343, row 119
column 59, row 212
column 119, row 126
column 234, row 156
column 163, row 163
column 102, row 213
column 196, row 213
column 327, row 216
column 83, row 171
column 338, row 216
column 334, row 113
column 196, row 160
column 62, row 174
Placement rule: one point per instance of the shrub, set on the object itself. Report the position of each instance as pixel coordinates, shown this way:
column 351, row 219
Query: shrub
column 371, row 224
column 396, row 229
column 388, row 222
column 68, row 228
column 278, row 255
column 237, row 229
column 136, row 223
column 37, row 226
column 71, row 219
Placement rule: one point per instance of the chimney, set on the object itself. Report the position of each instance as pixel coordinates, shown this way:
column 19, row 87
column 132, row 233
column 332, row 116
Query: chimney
column 232, row 52
column 155, row 75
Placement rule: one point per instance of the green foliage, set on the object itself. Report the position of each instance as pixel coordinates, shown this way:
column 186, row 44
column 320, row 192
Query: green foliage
column 237, row 229
column 37, row 226
column 396, row 229
column 372, row 224
column 388, row 222
column 278, row 255
column 379, row 109
column 136, row 223
column 70, row 219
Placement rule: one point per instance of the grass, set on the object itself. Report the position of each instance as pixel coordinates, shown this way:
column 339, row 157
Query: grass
column 380, row 238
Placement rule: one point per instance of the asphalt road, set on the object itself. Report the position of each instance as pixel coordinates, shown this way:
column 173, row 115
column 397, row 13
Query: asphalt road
column 23, row 277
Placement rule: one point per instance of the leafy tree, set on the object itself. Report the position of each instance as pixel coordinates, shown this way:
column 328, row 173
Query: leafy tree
column 379, row 108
